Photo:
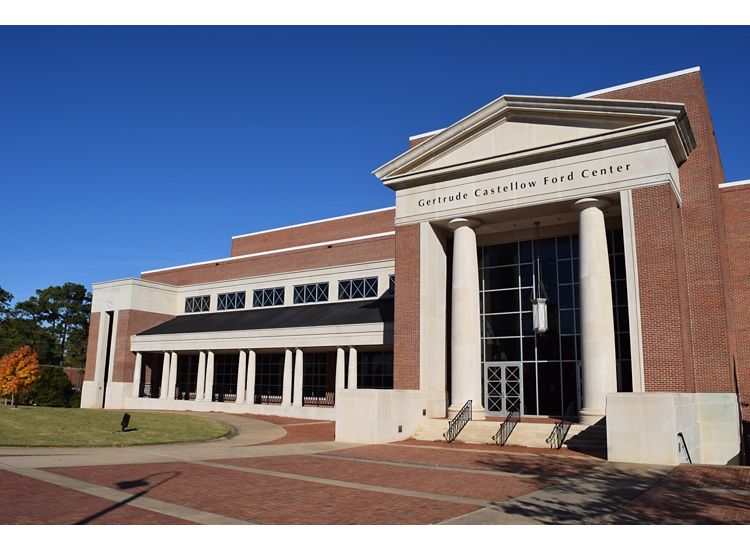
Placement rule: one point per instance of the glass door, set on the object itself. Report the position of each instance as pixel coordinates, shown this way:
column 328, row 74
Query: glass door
column 503, row 387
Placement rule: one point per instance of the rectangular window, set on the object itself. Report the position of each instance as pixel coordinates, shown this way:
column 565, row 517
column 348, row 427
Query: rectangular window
column 231, row 300
column 358, row 288
column 375, row 370
column 225, row 376
column 315, row 292
column 269, row 378
column 194, row 304
column 265, row 297
column 391, row 284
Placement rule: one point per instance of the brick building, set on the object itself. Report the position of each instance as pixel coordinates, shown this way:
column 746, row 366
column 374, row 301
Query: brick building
column 545, row 255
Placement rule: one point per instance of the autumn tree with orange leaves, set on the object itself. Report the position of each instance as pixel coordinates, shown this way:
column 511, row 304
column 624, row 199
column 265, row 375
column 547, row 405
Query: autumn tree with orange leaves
column 18, row 370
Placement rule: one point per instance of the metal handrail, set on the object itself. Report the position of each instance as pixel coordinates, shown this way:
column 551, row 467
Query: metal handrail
column 684, row 446
column 506, row 428
column 458, row 422
column 560, row 430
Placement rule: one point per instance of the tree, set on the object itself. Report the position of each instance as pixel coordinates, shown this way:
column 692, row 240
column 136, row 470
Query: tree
column 57, row 323
column 5, row 300
column 53, row 389
column 18, row 370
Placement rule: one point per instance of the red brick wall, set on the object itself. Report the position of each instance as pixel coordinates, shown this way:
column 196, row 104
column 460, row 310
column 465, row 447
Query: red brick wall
column 354, row 226
column 414, row 142
column 91, row 347
column 736, row 203
column 130, row 322
column 406, row 324
column 380, row 248
column 701, row 222
column 665, row 316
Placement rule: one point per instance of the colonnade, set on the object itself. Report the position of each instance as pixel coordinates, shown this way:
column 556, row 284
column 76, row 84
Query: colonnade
column 293, row 373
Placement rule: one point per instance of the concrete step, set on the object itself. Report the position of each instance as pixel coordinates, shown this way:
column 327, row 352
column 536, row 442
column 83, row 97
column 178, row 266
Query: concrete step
column 525, row 434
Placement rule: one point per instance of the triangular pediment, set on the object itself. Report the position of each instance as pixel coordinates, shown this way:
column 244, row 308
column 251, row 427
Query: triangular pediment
column 513, row 127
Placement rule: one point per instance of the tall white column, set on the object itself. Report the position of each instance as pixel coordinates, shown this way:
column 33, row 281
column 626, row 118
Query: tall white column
column 200, row 386
column 597, row 325
column 352, row 369
column 286, row 392
column 172, row 375
column 466, row 351
column 165, row 375
column 250, row 393
column 340, row 380
column 209, row 394
column 241, row 377
column 299, row 366
column 137, row 374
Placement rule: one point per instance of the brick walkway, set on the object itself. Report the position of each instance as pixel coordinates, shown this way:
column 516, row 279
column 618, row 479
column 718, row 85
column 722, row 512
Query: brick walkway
column 301, row 476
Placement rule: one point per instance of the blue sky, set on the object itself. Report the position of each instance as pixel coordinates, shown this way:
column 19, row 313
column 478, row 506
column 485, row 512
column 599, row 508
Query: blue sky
column 125, row 149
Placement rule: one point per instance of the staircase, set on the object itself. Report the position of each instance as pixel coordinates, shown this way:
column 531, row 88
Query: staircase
column 525, row 434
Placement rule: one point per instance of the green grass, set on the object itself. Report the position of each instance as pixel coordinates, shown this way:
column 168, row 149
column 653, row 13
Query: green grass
column 56, row 427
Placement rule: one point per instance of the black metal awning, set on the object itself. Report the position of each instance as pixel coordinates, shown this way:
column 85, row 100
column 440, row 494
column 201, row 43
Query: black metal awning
column 314, row 315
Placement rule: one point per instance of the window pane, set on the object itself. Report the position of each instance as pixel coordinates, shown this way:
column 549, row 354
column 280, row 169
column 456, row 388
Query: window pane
column 501, row 301
column 503, row 349
column 501, row 277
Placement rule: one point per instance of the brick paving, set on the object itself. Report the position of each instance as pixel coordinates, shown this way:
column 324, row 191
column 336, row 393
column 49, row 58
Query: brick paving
column 409, row 482
column 491, row 460
column 271, row 500
column 564, row 452
column 425, row 479
column 27, row 501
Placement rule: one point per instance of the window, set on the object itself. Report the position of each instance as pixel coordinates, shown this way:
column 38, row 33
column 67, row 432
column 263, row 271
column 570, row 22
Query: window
column 194, row 304
column 315, row 292
column 231, row 300
column 269, row 378
column 391, row 284
column 265, row 297
column 226, row 366
column 358, row 288
column 375, row 370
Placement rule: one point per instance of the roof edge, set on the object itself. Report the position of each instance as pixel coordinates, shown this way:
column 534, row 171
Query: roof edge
column 638, row 82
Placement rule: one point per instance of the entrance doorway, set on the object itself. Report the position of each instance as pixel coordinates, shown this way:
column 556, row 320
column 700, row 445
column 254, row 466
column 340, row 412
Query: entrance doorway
column 503, row 387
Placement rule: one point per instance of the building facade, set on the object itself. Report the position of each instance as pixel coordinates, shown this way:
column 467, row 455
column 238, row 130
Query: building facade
column 545, row 255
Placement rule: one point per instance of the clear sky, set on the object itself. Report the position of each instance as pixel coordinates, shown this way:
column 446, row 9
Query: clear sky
column 124, row 149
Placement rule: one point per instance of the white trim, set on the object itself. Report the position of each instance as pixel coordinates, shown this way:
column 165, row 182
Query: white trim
column 638, row 82
column 733, row 184
column 315, row 221
column 425, row 134
column 277, row 251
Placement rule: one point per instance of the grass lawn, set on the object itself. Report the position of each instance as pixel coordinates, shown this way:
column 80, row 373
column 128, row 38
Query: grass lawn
column 56, row 427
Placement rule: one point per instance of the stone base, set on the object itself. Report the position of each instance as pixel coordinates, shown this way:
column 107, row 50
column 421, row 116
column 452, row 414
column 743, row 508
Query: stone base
column 589, row 417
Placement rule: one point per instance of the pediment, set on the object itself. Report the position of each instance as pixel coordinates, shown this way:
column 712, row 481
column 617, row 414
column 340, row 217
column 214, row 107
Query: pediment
column 515, row 127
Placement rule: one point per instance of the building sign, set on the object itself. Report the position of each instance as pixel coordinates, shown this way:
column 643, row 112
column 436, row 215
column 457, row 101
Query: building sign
column 570, row 178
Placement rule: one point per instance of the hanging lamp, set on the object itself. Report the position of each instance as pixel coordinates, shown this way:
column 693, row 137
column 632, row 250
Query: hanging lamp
column 539, row 294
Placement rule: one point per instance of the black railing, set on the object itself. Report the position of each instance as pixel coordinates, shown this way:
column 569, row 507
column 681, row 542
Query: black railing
column 560, row 430
column 267, row 399
column 458, row 422
column 682, row 446
column 506, row 428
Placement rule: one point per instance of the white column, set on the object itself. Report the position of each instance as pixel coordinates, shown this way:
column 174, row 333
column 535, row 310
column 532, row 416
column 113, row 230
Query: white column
column 340, row 380
column 200, row 386
column 172, row 375
column 250, row 393
column 286, row 393
column 165, row 375
column 209, row 394
column 597, row 325
column 299, row 365
column 352, row 385
column 137, row 374
column 241, row 377
column 466, row 354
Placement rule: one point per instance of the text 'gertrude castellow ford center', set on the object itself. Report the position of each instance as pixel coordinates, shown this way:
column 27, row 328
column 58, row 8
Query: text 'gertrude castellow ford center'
column 546, row 258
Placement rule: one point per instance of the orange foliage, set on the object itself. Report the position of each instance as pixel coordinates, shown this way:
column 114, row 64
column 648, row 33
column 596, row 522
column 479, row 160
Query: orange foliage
column 18, row 370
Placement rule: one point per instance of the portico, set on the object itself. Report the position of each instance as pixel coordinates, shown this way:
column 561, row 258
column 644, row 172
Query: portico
column 564, row 169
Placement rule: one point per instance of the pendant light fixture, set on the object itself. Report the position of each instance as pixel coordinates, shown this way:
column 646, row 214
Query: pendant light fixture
column 539, row 294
